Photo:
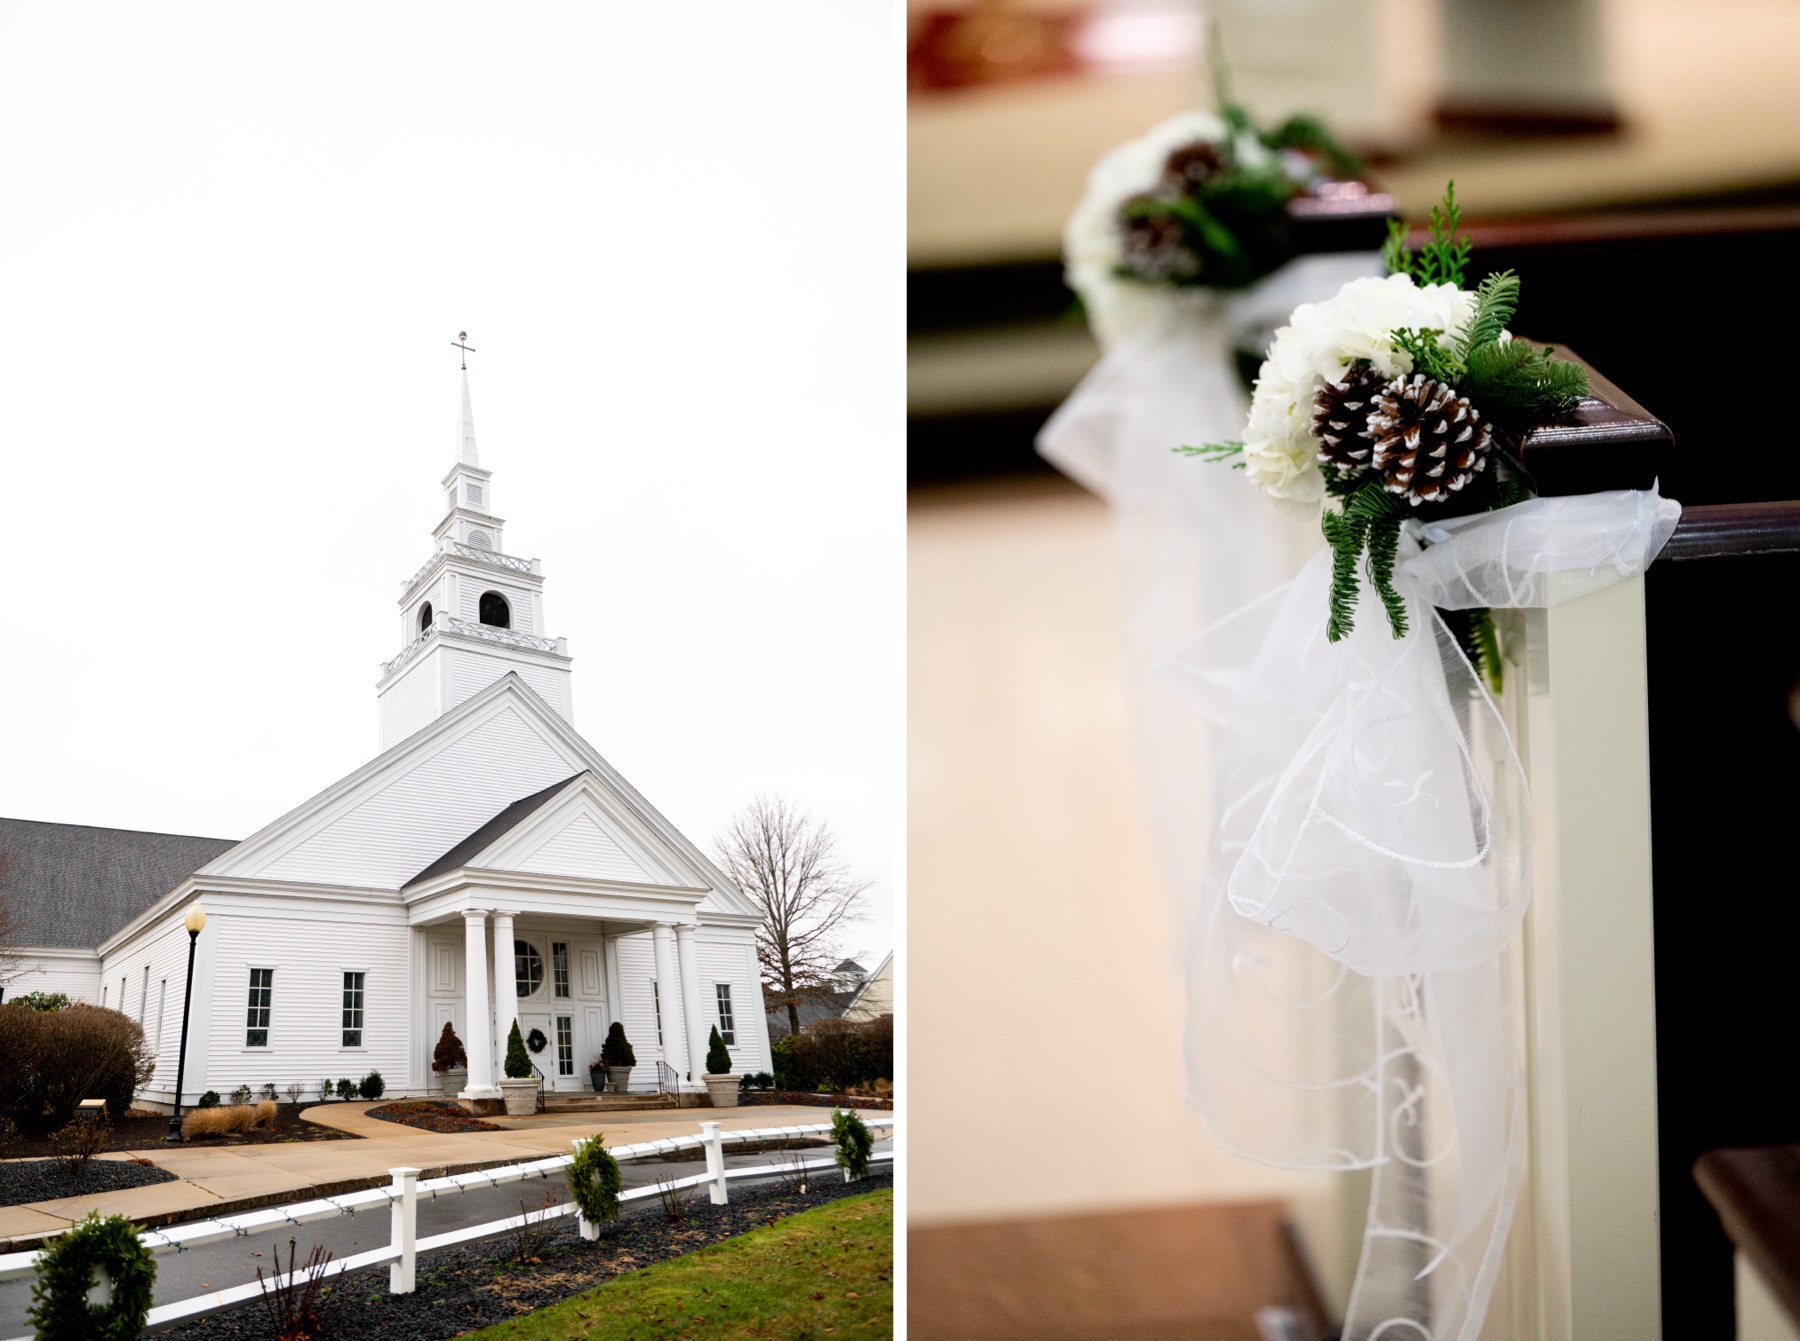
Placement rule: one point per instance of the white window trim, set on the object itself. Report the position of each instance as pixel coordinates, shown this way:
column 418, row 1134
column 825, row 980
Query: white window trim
column 726, row 1025
column 268, row 1044
column 656, row 1009
column 568, row 970
column 364, row 1045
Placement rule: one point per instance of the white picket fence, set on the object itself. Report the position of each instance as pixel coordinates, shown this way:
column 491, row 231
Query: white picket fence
column 401, row 1200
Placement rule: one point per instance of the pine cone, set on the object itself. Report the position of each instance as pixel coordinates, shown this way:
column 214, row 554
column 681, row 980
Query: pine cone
column 1341, row 414
column 1429, row 442
column 1191, row 166
column 1155, row 247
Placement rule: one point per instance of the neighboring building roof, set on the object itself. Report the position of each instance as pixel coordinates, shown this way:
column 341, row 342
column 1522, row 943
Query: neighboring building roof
column 822, row 1006
column 849, row 966
column 491, row 832
column 875, row 997
column 74, row 885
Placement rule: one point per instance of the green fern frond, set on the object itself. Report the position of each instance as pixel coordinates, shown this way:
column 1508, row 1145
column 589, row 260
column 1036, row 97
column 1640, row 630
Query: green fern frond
column 1496, row 300
column 1212, row 451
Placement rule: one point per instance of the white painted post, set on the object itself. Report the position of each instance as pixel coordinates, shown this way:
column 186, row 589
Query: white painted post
column 590, row 1230
column 405, row 1232
column 710, row 1132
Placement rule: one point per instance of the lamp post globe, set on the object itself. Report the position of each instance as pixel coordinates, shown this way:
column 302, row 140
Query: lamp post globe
column 194, row 922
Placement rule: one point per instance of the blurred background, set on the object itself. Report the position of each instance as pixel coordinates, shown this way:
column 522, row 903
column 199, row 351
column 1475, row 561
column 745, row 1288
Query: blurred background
column 1638, row 161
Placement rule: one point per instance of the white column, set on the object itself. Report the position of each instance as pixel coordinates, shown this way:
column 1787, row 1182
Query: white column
column 480, row 1043
column 506, row 983
column 668, row 996
column 692, row 1006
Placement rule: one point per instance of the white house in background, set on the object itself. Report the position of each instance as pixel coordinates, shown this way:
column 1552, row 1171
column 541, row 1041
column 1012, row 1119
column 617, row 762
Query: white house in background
column 487, row 866
column 875, row 997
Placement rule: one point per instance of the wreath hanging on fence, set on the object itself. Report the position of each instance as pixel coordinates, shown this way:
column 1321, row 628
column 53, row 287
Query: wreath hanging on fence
column 536, row 1041
column 594, row 1181
column 853, row 1142
column 72, row 1266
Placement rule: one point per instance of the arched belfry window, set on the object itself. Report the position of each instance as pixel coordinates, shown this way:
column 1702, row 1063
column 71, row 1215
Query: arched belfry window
column 424, row 616
column 495, row 610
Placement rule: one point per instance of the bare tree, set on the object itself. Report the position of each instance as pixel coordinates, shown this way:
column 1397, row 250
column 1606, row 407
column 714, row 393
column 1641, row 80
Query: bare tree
column 786, row 860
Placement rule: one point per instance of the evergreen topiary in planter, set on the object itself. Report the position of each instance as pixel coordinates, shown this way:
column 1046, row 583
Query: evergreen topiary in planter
column 519, row 1087
column 450, row 1061
column 617, row 1057
column 721, row 1081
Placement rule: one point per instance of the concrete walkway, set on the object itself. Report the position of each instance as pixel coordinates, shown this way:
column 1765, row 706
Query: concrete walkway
column 210, row 1178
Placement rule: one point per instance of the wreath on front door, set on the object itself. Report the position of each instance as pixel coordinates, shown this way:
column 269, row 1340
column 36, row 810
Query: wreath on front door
column 536, row 1041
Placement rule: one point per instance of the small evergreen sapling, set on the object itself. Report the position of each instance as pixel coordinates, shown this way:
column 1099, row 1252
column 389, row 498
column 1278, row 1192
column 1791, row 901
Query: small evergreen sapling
column 372, row 1086
column 616, row 1050
column 518, row 1061
column 718, row 1060
column 449, row 1054
column 346, row 1089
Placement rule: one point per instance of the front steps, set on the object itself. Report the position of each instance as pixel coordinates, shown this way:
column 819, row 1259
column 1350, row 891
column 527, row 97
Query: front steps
column 609, row 1103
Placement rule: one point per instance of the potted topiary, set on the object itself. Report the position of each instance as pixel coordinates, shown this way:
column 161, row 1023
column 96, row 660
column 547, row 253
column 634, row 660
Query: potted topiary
column 450, row 1061
column 617, row 1058
column 721, row 1080
column 520, row 1086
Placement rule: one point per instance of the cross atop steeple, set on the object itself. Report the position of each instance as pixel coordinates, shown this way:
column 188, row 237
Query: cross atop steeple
column 466, row 348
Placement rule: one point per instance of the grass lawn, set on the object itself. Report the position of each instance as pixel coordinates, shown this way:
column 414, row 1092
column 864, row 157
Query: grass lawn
column 827, row 1272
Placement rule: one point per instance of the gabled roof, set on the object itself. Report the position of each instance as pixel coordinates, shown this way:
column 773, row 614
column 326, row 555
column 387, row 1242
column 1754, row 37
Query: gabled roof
column 74, row 885
column 493, row 831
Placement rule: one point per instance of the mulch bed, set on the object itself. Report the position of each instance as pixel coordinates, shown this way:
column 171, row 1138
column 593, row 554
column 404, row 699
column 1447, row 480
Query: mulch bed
column 440, row 1115
column 27, row 1180
column 462, row 1289
column 750, row 1098
column 146, row 1132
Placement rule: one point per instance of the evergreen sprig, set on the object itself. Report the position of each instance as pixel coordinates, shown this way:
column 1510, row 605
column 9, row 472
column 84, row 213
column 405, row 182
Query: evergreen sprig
column 1444, row 259
column 1214, row 451
column 1368, row 527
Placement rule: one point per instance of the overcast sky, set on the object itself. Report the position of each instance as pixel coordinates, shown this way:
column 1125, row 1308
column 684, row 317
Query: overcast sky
column 235, row 244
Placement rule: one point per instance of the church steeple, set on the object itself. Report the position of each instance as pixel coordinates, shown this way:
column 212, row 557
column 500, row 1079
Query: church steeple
column 472, row 613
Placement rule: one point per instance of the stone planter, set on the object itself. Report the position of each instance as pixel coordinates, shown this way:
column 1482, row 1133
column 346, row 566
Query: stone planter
column 723, row 1090
column 618, row 1078
column 454, row 1081
column 520, row 1096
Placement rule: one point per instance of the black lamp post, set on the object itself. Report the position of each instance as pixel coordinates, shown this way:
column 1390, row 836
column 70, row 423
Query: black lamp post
column 195, row 919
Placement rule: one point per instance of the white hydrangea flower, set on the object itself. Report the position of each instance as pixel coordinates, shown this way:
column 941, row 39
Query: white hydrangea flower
column 1319, row 342
column 1092, row 251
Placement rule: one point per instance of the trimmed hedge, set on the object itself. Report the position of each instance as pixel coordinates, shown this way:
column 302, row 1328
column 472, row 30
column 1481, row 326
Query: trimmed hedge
column 835, row 1054
column 55, row 1059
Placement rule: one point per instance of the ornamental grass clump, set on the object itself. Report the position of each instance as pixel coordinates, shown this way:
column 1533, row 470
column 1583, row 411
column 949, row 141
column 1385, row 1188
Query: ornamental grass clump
column 93, row 1283
column 218, row 1120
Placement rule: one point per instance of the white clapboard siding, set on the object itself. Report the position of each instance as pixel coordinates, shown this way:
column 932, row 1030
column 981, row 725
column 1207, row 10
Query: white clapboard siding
column 474, row 671
column 402, row 829
column 582, row 848
column 409, row 703
column 722, row 958
column 310, row 958
column 518, row 598
column 74, row 973
column 637, row 968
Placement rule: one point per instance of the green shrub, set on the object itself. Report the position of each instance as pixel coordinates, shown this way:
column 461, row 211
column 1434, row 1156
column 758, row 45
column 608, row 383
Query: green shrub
column 42, row 1001
column 518, row 1062
column 268, row 1090
column 208, row 1100
column 787, row 1076
column 241, row 1095
column 346, row 1089
column 616, row 1051
column 372, row 1085
column 449, row 1054
column 60, row 1310
column 55, row 1059
column 594, row 1181
column 718, row 1060
column 853, row 1142
column 840, row 1053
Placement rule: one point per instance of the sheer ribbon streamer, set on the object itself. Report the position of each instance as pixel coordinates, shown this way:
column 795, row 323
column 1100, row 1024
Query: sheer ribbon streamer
column 1353, row 997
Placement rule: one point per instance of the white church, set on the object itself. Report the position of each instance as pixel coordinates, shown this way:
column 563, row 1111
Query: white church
column 488, row 865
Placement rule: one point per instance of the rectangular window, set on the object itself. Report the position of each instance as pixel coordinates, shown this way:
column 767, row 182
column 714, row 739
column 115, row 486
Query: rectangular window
column 144, row 997
column 565, row 1045
column 162, row 1006
column 656, row 1005
column 725, row 1028
column 559, row 967
column 353, row 1010
column 262, row 996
